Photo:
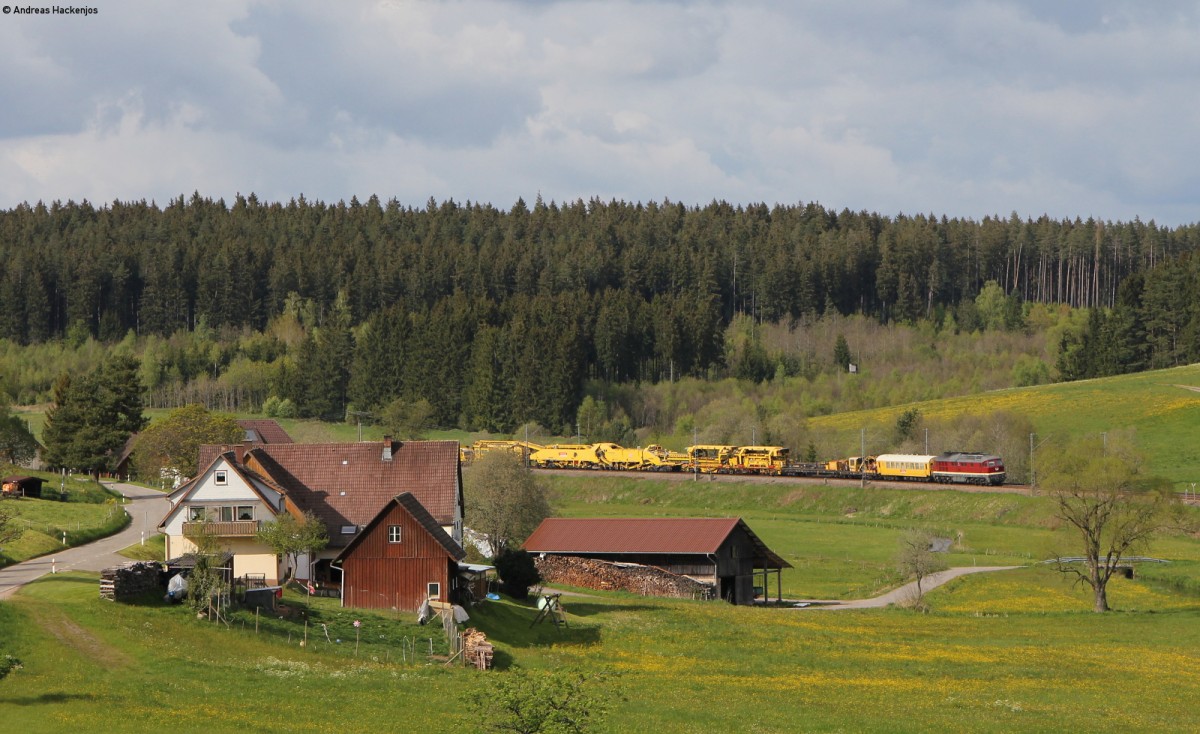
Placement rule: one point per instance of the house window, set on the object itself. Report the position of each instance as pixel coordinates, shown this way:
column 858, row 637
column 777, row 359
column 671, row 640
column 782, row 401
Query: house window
column 222, row 477
column 434, row 590
column 245, row 512
column 349, row 529
column 196, row 514
column 393, row 533
column 225, row 513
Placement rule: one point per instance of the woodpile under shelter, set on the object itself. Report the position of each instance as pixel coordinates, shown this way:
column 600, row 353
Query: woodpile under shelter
column 22, row 486
column 722, row 553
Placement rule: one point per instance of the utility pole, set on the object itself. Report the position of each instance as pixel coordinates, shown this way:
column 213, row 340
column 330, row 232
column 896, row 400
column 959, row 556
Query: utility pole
column 359, row 415
column 862, row 458
column 1032, row 480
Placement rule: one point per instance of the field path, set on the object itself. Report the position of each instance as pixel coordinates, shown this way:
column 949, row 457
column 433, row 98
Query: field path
column 146, row 507
column 902, row 593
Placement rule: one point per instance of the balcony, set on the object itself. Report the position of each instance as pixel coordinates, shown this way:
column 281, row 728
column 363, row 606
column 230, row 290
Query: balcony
column 226, row 529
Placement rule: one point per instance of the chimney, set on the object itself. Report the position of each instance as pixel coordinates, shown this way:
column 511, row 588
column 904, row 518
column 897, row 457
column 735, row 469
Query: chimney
column 387, row 448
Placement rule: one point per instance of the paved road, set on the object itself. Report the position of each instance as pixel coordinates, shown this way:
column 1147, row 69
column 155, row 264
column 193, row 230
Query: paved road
column 145, row 506
column 903, row 593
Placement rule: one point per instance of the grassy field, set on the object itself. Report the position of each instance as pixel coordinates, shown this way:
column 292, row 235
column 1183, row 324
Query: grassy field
column 1011, row 651
column 1162, row 407
column 1006, row 652
column 90, row 512
column 842, row 540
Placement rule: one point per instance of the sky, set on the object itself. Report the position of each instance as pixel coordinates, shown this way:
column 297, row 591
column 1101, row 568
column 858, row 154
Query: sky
column 1065, row 108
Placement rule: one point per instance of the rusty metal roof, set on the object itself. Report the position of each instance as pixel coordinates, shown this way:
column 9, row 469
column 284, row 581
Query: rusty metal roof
column 678, row 535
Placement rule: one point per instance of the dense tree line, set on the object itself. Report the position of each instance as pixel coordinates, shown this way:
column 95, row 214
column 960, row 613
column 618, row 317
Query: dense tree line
column 499, row 317
column 133, row 265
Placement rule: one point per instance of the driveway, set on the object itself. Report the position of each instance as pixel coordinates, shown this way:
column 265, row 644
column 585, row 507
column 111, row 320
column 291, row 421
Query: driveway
column 145, row 506
column 909, row 590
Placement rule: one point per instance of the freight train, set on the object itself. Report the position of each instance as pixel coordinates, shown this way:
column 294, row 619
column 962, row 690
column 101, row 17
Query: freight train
column 951, row 467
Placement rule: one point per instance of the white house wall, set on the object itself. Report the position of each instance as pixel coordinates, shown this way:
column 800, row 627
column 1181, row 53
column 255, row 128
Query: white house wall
column 236, row 491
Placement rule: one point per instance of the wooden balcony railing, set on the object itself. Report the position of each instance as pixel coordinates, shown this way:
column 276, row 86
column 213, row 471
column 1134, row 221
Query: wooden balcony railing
column 232, row 529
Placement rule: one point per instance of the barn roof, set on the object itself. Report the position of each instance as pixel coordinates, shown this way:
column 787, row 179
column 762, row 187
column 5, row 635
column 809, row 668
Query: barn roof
column 264, row 431
column 345, row 484
column 420, row 514
column 676, row 535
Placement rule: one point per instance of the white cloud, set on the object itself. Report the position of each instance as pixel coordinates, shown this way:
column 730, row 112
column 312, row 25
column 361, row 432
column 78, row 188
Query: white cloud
column 965, row 109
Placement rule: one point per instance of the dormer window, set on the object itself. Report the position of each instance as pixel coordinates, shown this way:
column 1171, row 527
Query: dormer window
column 221, row 476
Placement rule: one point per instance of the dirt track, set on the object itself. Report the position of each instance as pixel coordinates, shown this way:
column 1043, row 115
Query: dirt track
column 902, row 593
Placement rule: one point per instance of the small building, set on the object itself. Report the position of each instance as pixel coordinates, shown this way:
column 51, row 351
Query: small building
column 400, row 559
column 723, row 553
column 264, row 431
column 22, row 486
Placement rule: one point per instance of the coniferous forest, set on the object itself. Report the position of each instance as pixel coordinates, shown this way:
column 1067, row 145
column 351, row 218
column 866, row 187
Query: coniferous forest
column 498, row 318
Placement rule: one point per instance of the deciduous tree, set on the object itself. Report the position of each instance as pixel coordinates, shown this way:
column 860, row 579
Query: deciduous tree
column 174, row 442
column 916, row 558
column 289, row 537
column 1114, row 508
column 505, row 501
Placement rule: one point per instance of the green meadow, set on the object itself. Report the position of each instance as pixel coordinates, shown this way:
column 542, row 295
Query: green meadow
column 1161, row 407
column 1011, row 651
column 90, row 512
column 1007, row 651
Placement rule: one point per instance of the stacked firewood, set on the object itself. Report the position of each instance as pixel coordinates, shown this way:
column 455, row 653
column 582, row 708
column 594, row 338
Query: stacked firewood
column 476, row 649
column 130, row 580
column 592, row 574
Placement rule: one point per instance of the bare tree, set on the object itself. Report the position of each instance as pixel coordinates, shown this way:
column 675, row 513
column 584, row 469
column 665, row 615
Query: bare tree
column 1101, row 492
column 505, row 501
column 917, row 558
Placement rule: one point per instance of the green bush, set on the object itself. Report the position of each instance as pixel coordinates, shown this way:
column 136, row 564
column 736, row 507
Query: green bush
column 517, row 573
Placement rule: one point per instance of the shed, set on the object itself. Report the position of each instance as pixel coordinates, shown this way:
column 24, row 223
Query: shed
column 400, row 559
column 722, row 552
column 22, row 486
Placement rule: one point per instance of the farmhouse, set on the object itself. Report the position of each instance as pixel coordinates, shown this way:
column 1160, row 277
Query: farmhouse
column 724, row 554
column 401, row 558
column 346, row 485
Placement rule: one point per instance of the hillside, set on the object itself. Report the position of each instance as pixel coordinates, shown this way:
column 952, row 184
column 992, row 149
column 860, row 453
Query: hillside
column 1162, row 407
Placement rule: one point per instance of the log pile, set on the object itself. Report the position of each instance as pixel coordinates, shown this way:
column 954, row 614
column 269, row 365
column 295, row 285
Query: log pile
column 129, row 581
column 606, row 576
column 476, row 649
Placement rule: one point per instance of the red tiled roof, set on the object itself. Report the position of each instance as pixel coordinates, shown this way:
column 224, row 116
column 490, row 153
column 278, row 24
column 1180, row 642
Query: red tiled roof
column 640, row 535
column 347, row 483
column 266, row 430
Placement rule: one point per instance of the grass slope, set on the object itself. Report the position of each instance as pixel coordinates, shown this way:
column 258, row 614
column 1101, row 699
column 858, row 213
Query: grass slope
column 90, row 512
column 1001, row 653
column 842, row 540
column 1163, row 407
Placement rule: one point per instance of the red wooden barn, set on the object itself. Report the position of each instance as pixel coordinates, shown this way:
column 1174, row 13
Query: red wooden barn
column 400, row 559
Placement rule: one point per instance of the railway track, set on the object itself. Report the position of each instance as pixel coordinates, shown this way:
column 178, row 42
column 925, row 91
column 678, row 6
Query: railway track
column 683, row 476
